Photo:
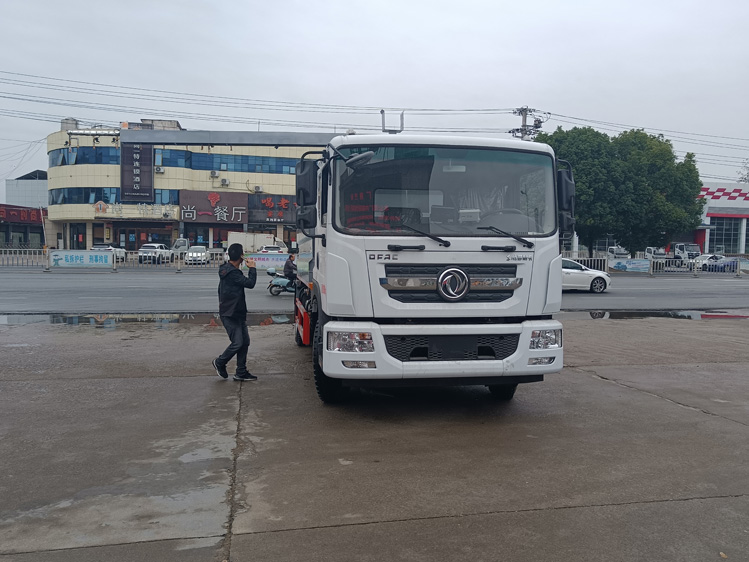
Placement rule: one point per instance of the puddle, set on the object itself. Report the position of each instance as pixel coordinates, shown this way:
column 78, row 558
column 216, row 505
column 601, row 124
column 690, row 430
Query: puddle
column 164, row 320
column 632, row 314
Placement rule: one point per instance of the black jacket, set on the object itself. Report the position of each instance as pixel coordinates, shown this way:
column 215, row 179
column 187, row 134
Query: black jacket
column 231, row 286
column 289, row 269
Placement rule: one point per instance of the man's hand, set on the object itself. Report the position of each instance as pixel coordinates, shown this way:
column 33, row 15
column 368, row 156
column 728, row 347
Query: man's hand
column 249, row 262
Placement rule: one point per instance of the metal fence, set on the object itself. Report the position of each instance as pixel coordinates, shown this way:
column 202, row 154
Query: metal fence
column 39, row 258
column 19, row 257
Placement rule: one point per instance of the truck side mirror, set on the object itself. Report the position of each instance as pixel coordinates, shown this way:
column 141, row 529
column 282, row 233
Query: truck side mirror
column 566, row 225
column 566, row 200
column 566, row 190
column 306, row 217
column 306, row 182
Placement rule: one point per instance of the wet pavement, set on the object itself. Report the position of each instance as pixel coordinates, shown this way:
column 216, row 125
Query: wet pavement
column 118, row 442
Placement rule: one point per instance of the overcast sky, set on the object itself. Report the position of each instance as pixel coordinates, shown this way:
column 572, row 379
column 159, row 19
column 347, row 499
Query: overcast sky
column 679, row 68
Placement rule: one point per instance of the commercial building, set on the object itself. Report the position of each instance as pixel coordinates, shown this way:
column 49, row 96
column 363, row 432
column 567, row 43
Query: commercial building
column 29, row 190
column 21, row 227
column 725, row 213
column 22, row 207
column 154, row 182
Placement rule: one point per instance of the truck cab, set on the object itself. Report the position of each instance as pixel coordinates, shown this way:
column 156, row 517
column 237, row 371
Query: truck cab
column 180, row 247
column 617, row 253
column 653, row 253
column 433, row 261
column 685, row 252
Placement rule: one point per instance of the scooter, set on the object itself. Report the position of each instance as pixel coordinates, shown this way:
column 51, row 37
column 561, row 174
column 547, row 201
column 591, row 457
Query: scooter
column 279, row 284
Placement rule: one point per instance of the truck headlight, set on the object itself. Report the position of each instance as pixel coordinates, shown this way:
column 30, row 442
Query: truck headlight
column 350, row 341
column 546, row 339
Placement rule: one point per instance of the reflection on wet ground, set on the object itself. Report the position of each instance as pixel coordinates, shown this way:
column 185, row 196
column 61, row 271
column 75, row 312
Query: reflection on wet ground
column 678, row 314
column 111, row 321
column 165, row 320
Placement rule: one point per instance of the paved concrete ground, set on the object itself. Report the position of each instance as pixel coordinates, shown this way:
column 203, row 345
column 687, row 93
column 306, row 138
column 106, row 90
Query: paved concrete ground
column 121, row 444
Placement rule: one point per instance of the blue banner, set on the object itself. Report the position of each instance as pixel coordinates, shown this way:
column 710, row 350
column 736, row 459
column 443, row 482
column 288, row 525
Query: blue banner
column 80, row 258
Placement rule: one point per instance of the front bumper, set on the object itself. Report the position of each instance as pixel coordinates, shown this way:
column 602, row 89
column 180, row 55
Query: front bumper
column 389, row 365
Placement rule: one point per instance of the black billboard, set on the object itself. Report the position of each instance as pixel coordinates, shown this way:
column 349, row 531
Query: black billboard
column 278, row 209
column 136, row 173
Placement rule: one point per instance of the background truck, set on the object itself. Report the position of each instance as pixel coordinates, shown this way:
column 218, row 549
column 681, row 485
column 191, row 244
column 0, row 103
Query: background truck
column 653, row 253
column 617, row 253
column 430, row 260
column 251, row 242
column 180, row 247
column 683, row 252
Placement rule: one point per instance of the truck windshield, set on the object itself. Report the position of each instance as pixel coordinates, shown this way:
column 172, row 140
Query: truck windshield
column 444, row 191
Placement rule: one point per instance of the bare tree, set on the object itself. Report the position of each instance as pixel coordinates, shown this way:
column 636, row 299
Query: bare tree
column 744, row 172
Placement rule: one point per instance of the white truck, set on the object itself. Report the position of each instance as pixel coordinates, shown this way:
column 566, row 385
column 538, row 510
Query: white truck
column 683, row 253
column 433, row 260
column 251, row 242
column 617, row 253
column 654, row 253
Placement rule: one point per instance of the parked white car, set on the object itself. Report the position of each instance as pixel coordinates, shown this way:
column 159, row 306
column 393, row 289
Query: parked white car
column 119, row 253
column 577, row 276
column 197, row 255
column 706, row 261
column 155, row 253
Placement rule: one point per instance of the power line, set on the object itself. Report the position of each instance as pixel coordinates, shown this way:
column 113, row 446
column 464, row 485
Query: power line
column 297, row 106
column 652, row 128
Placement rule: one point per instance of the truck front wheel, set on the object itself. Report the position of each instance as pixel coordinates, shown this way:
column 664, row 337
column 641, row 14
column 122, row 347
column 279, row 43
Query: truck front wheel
column 330, row 391
column 503, row 391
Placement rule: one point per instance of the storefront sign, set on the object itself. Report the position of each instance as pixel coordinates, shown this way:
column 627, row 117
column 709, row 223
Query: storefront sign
column 213, row 207
column 279, row 209
column 136, row 173
column 15, row 214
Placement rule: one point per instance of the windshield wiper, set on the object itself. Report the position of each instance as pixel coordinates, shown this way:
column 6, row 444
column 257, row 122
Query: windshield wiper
column 445, row 243
column 523, row 241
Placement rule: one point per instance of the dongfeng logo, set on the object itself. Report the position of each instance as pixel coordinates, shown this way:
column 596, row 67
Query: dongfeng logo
column 452, row 284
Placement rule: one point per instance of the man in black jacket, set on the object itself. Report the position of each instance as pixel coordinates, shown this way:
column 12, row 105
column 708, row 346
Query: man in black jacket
column 232, row 308
column 289, row 269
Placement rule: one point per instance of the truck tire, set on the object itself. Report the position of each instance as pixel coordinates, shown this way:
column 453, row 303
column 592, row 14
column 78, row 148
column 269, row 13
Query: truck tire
column 330, row 391
column 503, row 391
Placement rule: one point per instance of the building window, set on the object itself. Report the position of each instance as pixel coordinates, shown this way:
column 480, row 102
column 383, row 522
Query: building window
column 176, row 159
column 724, row 239
column 84, row 155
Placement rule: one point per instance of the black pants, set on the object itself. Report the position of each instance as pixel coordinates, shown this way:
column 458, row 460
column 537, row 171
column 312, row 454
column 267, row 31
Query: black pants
column 240, row 343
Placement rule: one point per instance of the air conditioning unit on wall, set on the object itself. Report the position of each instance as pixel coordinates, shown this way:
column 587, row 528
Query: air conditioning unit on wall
column 158, row 170
column 214, row 174
column 258, row 189
column 224, row 182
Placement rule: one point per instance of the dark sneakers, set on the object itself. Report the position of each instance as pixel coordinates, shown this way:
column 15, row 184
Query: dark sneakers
column 245, row 377
column 220, row 371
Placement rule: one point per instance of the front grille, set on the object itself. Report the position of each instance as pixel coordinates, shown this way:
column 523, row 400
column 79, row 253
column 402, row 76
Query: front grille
column 433, row 297
column 488, row 283
column 451, row 348
column 433, row 270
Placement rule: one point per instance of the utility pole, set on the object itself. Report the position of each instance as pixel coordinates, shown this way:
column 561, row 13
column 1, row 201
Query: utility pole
column 528, row 132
